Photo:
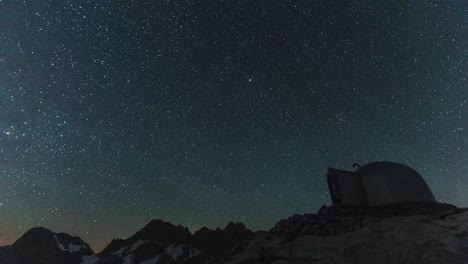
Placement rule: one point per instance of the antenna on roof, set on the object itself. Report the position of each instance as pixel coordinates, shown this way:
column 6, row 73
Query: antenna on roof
column 356, row 165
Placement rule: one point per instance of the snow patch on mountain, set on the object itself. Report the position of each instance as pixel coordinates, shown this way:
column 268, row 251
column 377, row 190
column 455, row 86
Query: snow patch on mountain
column 128, row 259
column 151, row 261
column 74, row 248
column 92, row 259
column 137, row 244
column 175, row 251
column 119, row 252
column 70, row 248
column 193, row 252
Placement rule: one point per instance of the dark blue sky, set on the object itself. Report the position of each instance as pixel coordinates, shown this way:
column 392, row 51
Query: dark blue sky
column 113, row 113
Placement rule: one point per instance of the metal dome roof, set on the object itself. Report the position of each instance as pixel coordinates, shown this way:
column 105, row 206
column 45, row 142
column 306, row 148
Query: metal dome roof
column 378, row 183
column 387, row 167
column 393, row 182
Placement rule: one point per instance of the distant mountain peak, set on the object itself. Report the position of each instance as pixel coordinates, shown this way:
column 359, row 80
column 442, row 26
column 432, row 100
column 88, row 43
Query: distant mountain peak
column 41, row 245
column 36, row 232
column 163, row 232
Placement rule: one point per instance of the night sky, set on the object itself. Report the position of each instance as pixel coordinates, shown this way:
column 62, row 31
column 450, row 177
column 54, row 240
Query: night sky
column 113, row 113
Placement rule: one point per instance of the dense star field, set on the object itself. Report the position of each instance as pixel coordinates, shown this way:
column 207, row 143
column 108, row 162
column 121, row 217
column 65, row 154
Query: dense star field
column 113, row 113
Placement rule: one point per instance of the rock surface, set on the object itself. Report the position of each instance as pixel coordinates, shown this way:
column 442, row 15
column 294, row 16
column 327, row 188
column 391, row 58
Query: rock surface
column 401, row 233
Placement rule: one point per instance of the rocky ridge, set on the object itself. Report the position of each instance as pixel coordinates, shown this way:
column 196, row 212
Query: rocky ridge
column 399, row 233
column 161, row 242
column 343, row 219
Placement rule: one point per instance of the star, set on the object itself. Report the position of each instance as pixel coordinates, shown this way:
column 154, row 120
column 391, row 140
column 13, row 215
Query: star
column 208, row 112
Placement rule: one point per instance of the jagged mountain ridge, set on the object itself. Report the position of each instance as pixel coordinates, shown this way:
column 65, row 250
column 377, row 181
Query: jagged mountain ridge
column 157, row 242
column 399, row 233
column 163, row 242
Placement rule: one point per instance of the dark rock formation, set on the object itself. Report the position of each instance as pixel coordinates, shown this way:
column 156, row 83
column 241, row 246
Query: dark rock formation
column 216, row 244
column 163, row 242
column 342, row 219
column 40, row 245
column 220, row 240
column 399, row 233
column 163, row 232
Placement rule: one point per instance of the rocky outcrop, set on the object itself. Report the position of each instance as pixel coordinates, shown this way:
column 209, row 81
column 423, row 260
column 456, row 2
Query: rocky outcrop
column 215, row 245
column 40, row 245
column 401, row 233
column 163, row 232
column 220, row 239
column 342, row 219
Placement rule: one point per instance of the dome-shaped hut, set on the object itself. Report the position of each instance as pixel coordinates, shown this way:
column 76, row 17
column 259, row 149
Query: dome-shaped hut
column 378, row 183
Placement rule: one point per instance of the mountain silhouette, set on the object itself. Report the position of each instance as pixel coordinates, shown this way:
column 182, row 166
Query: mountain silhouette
column 40, row 245
column 396, row 233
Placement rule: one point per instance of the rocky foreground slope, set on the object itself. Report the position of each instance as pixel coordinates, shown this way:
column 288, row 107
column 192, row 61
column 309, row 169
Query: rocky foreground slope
column 401, row 233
